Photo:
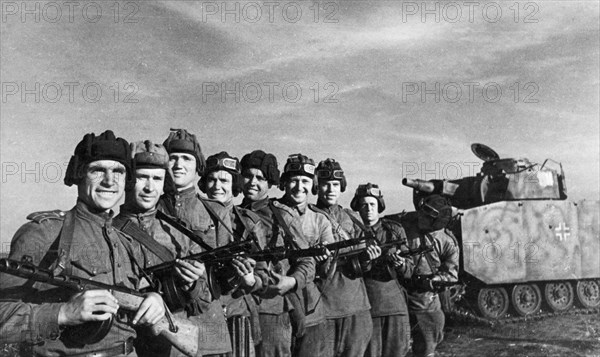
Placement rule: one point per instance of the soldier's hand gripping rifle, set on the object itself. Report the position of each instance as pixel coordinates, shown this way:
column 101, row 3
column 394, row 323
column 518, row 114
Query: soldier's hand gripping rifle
column 166, row 280
column 182, row 334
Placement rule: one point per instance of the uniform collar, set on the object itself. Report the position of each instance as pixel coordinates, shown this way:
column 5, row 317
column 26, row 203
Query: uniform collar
column 127, row 212
column 143, row 219
column 101, row 218
column 376, row 225
column 300, row 208
column 255, row 205
column 185, row 193
column 328, row 208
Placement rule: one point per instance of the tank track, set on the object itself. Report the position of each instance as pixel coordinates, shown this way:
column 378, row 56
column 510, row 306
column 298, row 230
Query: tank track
column 464, row 311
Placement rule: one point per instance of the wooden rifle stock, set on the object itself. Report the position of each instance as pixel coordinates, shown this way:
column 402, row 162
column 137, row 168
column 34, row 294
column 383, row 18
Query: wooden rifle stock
column 185, row 337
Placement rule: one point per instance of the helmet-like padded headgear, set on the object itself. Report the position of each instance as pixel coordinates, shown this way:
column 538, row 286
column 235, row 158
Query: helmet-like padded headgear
column 329, row 169
column 180, row 140
column 267, row 163
column 94, row 148
column 368, row 190
column 298, row 164
column 224, row 161
column 146, row 154
column 434, row 212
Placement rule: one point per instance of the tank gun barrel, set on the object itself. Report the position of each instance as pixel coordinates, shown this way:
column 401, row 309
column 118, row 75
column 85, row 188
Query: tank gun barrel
column 442, row 187
column 418, row 184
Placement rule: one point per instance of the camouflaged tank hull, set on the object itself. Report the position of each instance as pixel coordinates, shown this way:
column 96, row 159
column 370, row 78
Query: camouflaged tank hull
column 522, row 241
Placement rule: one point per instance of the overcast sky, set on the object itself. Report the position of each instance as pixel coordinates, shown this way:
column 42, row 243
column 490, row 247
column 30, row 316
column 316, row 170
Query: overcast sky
column 388, row 88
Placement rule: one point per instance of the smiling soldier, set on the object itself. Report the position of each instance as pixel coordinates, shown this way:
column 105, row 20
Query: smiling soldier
column 260, row 173
column 344, row 293
column 186, row 166
column 90, row 248
column 223, row 181
column 311, row 228
column 160, row 241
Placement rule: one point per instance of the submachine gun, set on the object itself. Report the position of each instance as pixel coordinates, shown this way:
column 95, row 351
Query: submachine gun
column 182, row 334
column 353, row 257
column 220, row 274
column 221, row 278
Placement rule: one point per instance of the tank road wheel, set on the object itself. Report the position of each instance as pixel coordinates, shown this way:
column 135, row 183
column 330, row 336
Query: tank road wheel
column 559, row 296
column 526, row 299
column 588, row 293
column 492, row 302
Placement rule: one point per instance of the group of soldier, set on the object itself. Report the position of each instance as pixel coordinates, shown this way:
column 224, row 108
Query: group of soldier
column 367, row 299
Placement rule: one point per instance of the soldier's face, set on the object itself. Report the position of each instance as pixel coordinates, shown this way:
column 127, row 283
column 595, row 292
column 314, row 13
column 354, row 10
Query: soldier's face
column 330, row 191
column 298, row 187
column 256, row 185
column 149, row 185
column 182, row 167
column 369, row 210
column 103, row 185
column 219, row 186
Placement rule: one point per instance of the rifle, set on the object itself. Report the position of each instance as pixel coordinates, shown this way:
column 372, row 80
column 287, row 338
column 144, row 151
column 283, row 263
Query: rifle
column 183, row 335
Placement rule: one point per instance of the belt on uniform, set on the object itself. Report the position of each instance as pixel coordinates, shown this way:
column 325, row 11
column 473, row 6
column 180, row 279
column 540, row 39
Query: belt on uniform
column 123, row 348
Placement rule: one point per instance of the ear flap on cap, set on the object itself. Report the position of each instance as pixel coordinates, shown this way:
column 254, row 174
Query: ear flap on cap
column 72, row 177
column 381, row 204
column 202, row 183
column 354, row 204
column 83, row 150
column 237, row 184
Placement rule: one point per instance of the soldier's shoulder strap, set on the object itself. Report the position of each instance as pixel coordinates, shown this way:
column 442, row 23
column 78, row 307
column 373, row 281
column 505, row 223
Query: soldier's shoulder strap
column 314, row 208
column 335, row 225
column 290, row 240
column 42, row 216
column 134, row 231
column 244, row 214
column 247, row 214
column 391, row 223
column 449, row 233
column 395, row 227
column 431, row 263
column 356, row 221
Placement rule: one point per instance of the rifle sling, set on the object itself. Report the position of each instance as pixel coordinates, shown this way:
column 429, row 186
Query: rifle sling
column 432, row 266
column 288, row 236
column 194, row 237
column 357, row 222
column 214, row 214
column 65, row 241
column 237, row 212
column 128, row 227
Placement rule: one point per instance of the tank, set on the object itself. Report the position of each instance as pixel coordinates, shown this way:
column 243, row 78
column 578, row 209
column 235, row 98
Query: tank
column 525, row 247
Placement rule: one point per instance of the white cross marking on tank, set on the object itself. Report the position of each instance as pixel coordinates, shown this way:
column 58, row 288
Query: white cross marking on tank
column 562, row 231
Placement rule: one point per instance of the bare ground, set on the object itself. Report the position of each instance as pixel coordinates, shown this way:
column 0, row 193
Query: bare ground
column 575, row 335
